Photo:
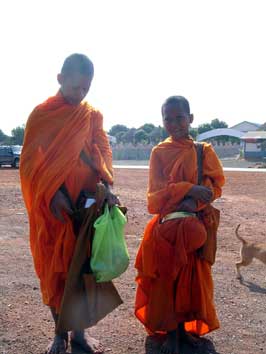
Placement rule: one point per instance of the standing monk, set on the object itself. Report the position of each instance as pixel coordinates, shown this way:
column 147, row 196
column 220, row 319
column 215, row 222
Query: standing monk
column 175, row 287
column 56, row 133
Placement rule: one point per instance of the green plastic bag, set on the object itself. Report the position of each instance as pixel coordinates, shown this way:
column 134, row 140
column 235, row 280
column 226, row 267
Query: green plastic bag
column 109, row 256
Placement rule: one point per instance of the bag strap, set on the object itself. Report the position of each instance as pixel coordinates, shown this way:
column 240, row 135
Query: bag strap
column 199, row 149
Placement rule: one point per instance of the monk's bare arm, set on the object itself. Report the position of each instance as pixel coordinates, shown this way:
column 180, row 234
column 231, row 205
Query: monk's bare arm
column 100, row 138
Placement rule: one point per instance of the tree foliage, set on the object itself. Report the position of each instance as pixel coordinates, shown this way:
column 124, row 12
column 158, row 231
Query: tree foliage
column 148, row 133
column 148, row 127
column 16, row 138
column 202, row 128
column 117, row 129
column 17, row 135
column 193, row 132
column 3, row 137
column 141, row 137
column 216, row 124
column 129, row 136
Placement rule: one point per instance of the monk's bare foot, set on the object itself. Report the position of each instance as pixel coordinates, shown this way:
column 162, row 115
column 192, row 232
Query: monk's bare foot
column 86, row 342
column 190, row 339
column 171, row 344
column 58, row 345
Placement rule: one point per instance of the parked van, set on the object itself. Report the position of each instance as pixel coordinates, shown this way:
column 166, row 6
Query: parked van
column 10, row 155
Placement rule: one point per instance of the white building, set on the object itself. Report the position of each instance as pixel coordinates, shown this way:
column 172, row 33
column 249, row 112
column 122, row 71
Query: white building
column 246, row 126
column 254, row 145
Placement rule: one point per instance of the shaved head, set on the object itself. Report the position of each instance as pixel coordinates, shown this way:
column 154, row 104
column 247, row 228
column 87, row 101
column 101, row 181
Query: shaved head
column 179, row 101
column 78, row 63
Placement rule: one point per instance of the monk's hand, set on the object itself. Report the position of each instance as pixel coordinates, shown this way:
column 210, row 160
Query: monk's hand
column 112, row 199
column 59, row 204
column 204, row 194
column 188, row 204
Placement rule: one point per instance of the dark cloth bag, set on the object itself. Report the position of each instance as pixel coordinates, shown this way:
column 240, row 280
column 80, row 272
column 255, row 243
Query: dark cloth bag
column 85, row 302
column 210, row 217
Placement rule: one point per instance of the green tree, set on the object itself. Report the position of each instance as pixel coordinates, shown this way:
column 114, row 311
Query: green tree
column 164, row 134
column 155, row 135
column 129, row 136
column 141, row 136
column 148, row 127
column 193, row 132
column 120, row 137
column 216, row 124
column 202, row 128
column 17, row 135
column 4, row 139
column 117, row 129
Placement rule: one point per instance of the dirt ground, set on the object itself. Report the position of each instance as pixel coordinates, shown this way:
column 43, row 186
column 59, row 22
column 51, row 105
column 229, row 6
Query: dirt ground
column 25, row 323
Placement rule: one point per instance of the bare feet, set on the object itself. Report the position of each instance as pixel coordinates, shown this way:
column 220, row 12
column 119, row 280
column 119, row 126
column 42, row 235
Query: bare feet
column 171, row 344
column 86, row 342
column 59, row 345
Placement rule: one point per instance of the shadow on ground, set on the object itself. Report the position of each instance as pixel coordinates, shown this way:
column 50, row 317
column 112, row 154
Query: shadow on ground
column 206, row 346
column 253, row 287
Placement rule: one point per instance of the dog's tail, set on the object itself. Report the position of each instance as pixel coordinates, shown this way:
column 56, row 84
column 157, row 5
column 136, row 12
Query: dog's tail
column 239, row 237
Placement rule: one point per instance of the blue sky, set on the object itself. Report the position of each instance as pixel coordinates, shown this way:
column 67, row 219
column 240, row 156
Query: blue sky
column 212, row 52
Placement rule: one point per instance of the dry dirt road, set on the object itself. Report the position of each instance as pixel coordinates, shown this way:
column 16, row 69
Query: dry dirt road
column 26, row 325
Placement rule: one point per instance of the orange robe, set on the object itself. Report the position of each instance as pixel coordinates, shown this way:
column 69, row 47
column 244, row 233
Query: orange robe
column 174, row 284
column 55, row 134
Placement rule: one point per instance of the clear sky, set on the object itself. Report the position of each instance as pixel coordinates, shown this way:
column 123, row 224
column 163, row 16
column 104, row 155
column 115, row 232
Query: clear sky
column 212, row 52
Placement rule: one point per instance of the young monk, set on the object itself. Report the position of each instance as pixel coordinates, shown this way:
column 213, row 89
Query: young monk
column 56, row 133
column 175, row 289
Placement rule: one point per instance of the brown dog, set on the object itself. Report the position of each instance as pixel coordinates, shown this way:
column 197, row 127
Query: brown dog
column 248, row 251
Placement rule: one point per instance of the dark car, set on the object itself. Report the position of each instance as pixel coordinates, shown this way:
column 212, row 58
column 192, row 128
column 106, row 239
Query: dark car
column 10, row 155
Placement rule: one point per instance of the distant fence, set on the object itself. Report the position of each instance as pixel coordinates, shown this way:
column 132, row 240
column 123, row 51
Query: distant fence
column 227, row 150
column 131, row 152
column 142, row 152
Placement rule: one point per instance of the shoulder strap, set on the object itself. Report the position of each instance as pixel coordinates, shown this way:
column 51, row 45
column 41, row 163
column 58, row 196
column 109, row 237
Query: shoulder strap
column 199, row 149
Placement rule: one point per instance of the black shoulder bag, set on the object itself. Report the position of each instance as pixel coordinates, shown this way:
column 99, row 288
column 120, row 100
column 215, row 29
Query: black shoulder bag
column 210, row 216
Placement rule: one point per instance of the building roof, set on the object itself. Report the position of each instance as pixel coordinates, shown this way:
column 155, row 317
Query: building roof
column 219, row 132
column 245, row 122
column 258, row 134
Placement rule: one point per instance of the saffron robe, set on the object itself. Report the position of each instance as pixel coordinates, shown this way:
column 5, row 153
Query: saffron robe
column 175, row 284
column 56, row 132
